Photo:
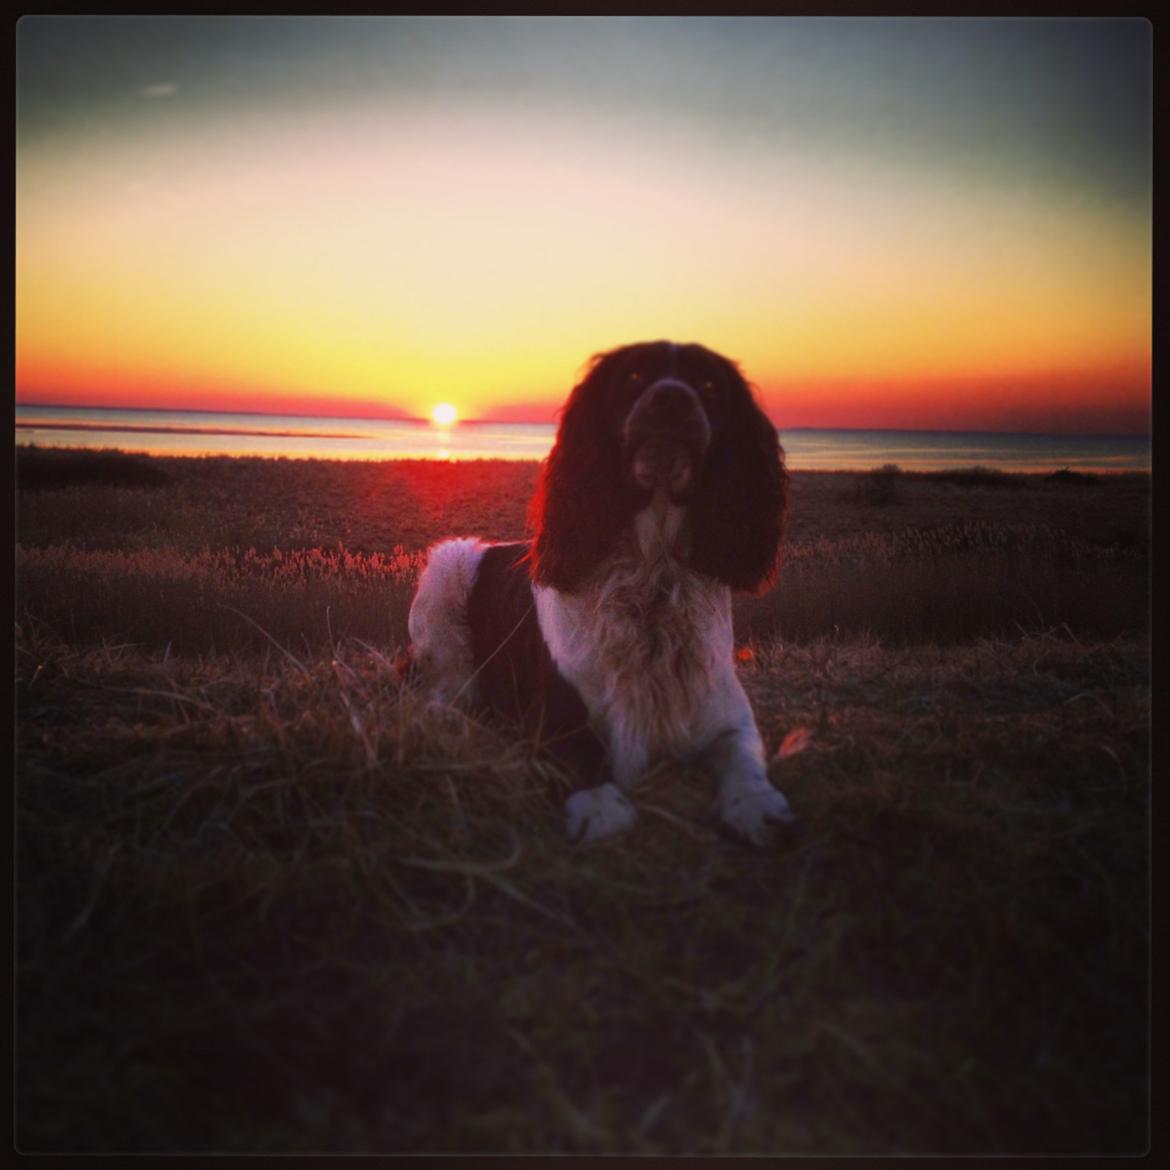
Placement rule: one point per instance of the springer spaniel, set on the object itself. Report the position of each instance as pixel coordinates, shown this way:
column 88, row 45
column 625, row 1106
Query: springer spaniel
column 610, row 634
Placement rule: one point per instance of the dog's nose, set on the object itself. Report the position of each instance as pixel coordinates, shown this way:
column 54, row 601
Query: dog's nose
column 669, row 400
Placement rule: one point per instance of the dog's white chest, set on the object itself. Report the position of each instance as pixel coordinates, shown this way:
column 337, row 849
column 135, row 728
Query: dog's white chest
column 643, row 645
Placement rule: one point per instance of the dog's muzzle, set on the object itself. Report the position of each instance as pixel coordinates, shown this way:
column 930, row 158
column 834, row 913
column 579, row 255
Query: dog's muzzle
column 666, row 436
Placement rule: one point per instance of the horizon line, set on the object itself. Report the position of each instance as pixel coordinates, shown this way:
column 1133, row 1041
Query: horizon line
column 406, row 418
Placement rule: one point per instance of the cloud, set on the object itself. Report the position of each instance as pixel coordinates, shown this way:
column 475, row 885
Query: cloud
column 162, row 89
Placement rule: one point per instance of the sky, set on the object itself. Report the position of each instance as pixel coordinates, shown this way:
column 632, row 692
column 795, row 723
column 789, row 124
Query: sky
column 888, row 222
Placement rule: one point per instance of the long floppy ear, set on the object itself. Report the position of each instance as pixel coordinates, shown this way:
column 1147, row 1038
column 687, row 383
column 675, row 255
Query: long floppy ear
column 739, row 512
column 580, row 499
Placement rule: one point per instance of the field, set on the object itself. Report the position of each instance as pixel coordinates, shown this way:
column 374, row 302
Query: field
column 267, row 901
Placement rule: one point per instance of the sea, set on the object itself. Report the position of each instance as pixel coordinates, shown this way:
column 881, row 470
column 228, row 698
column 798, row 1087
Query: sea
column 185, row 432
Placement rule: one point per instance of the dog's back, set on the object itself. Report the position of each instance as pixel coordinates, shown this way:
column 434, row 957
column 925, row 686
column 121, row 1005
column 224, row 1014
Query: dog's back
column 476, row 639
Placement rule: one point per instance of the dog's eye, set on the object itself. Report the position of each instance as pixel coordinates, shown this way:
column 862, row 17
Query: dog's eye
column 635, row 378
column 708, row 386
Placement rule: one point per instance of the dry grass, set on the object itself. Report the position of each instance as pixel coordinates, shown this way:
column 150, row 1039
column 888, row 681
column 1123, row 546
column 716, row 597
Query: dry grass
column 47, row 468
column 267, row 901
column 952, row 582
column 318, row 551
column 217, row 598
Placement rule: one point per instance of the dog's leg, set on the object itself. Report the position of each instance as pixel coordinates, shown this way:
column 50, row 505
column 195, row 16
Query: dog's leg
column 746, row 801
column 593, row 814
column 604, row 811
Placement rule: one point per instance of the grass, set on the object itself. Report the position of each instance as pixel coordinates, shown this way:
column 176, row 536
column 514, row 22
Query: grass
column 47, row 468
column 268, row 901
column 315, row 551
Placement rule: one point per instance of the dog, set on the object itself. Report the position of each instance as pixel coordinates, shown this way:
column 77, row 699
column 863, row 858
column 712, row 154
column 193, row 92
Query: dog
column 609, row 634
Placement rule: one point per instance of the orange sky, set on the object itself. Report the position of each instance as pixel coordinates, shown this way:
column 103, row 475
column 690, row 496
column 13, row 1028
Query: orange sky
column 253, row 218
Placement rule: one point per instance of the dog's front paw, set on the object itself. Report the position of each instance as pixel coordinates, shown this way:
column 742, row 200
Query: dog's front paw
column 597, row 813
column 754, row 813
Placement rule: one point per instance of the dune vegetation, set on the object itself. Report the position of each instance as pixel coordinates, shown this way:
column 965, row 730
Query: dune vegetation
column 270, row 901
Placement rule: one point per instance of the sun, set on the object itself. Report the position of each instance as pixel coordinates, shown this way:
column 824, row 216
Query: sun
column 444, row 414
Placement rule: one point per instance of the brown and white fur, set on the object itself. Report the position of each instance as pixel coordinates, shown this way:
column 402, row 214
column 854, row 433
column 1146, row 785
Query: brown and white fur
column 611, row 632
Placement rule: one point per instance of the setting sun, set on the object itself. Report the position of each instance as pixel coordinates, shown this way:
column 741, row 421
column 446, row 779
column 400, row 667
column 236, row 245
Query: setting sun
column 444, row 414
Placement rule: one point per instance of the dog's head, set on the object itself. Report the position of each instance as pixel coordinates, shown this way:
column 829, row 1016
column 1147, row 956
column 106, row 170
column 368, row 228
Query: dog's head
column 658, row 418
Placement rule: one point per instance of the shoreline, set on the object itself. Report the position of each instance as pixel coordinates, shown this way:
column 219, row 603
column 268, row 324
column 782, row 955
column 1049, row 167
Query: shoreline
column 989, row 469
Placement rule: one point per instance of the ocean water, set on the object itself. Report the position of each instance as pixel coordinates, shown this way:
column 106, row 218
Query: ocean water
column 172, row 432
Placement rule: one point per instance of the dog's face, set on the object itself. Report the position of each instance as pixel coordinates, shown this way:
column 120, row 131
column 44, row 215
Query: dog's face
column 659, row 417
column 664, row 405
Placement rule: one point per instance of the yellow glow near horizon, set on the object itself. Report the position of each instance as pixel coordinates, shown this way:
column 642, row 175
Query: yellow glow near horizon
column 444, row 414
column 365, row 269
